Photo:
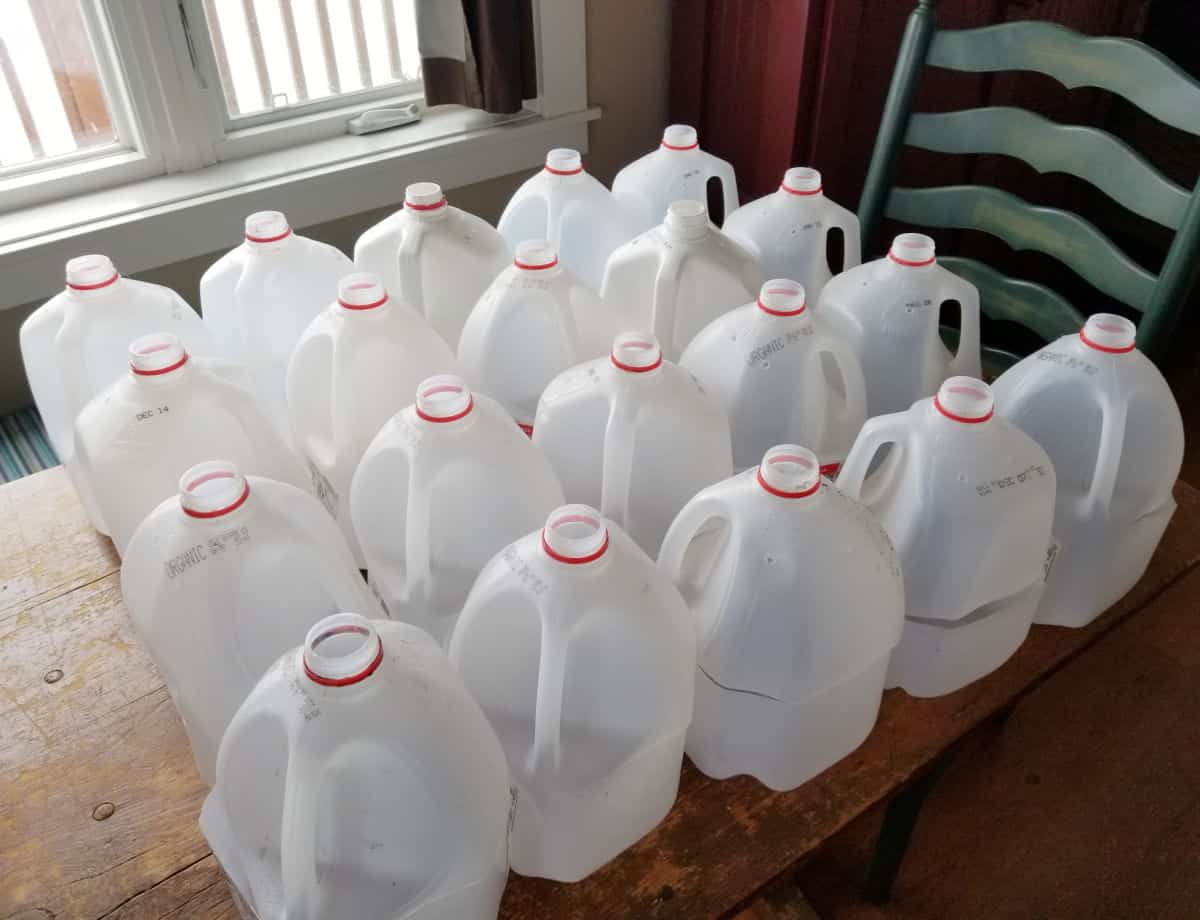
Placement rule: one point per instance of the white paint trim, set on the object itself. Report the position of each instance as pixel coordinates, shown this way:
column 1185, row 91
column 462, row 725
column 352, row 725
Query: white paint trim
column 168, row 218
column 561, row 41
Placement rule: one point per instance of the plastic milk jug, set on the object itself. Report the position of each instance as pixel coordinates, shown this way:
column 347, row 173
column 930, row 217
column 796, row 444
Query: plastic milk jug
column 678, row 169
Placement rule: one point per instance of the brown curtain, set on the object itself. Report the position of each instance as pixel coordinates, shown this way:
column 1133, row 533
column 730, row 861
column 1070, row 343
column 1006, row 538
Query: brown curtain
column 477, row 53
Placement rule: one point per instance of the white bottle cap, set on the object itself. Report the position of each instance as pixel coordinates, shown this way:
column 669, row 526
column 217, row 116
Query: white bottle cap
column 535, row 255
column 790, row 471
column 563, row 161
column 965, row 399
column 156, row 354
column 575, row 534
column 342, row 649
column 424, row 196
column 912, row 250
column 687, row 219
column 87, row 273
column 636, row 352
column 782, row 297
column 444, row 398
column 680, row 137
column 267, row 227
column 212, row 489
column 361, row 291
column 1109, row 332
column 801, row 180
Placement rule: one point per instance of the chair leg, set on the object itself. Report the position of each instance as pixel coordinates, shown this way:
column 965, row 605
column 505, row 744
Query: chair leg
column 896, row 832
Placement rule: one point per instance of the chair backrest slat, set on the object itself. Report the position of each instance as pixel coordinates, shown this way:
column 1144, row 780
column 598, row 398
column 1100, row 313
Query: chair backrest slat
column 1033, row 306
column 1148, row 79
column 1065, row 236
column 1095, row 156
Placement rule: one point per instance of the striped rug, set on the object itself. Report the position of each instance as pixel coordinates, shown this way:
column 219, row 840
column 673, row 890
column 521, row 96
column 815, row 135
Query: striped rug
column 24, row 447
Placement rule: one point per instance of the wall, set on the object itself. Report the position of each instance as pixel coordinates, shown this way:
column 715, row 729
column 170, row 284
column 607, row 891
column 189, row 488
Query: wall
column 628, row 42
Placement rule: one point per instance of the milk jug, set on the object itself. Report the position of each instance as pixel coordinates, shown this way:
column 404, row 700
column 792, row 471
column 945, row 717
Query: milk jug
column 888, row 310
column 968, row 500
column 446, row 484
column 77, row 343
column 783, row 375
column 789, row 231
column 360, row 780
column 574, row 211
column 532, row 323
column 582, row 656
column 356, row 366
column 634, row 435
column 677, row 278
column 678, row 169
column 167, row 413
column 221, row 578
column 433, row 257
column 798, row 601
column 258, row 298
column 1108, row 420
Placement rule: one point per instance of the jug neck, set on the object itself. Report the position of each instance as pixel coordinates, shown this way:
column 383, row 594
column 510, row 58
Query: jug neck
column 801, row 186
column 444, row 400
column 789, row 471
column 157, row 359
column 92, row 277
column 267, row 233
column 964, row 401
column 362, row 294
column 575, row 535
column 1109, row 333
column 537, row 258
column 686, row 220
column 912, row 252
column 213, row 490
column 782, row 297
column 564, row 164
column 341, row 650
column 680, row 140
column 637, row 356
column 425, row 202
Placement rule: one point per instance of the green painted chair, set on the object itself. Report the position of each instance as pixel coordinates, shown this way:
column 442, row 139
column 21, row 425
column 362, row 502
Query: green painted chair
column 1128, row 68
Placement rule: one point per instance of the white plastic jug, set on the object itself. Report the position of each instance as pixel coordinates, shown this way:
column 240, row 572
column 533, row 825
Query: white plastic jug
column 798, row 601
column 783, row 376
column 634, row 435
column 167, row 413
column 968, row 500
column 789, row 231
column 221, row 579
column 445, row 485
column 356, row 366
column 582, row 656
column 433, row 257
column 888, row 310
column 1108, row 420
column 677, row 278
column 678, row 169
column 77, row 343
column 259, row 298
column 532, row 323
column 360, row 781
column 574, row 211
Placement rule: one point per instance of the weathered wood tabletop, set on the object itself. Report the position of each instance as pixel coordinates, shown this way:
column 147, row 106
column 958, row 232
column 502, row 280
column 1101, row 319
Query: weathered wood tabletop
column 98, row 797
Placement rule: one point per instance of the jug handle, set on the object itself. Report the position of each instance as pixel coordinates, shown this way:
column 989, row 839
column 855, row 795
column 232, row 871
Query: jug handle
column 1108, row 458
column 418, row 567
column 847, row 222
column 547, row 720
column 855, row 401
column 409, row 266
column 878, row 431
column 298, row 843
column 724, row 172
column 966, row 360
column 616, row 470
column 695, row 514
column 666, row 288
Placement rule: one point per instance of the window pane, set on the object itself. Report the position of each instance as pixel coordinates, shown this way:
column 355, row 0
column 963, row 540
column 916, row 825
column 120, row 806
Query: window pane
column 274, row 54
column 52, row 102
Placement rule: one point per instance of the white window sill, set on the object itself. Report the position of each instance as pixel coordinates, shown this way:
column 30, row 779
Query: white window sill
column 164, row 219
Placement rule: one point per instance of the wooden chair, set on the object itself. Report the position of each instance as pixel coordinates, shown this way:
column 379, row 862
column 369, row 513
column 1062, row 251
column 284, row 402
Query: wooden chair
column 1128, row 68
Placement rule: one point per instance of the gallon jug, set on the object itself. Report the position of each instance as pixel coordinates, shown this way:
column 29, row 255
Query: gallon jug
column 968, row 500
column 445, row 485
column 782, row 375
column 575, row 212
column 433, row 257
column 532, row 323
column 1112, row 428
column 789, row 231
column 888, row 310
column 77, row 343
column 634, row 435
column 798, row 602
column 360, row 781
column 355, row 367
column 582, row 656
column 221, row 579
column 169, row 412
column 258, row 298
column 677, row 169
column 677, row 278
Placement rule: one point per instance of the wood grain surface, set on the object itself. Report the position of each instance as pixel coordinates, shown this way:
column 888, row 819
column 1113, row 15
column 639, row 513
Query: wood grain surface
column 98, row 796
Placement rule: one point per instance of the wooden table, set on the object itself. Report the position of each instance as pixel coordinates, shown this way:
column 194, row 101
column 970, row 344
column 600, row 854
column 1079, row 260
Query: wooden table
column 98, row 797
